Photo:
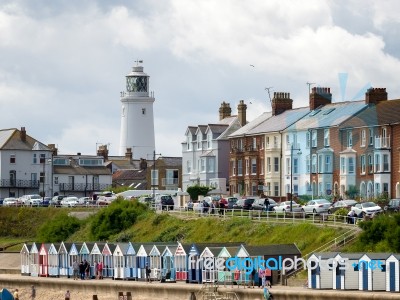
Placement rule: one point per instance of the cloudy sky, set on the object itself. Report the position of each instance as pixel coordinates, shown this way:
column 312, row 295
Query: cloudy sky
column 63, row 63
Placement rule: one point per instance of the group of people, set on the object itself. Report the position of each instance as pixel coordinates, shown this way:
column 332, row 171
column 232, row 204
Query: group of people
column 215, row 206
column 82, row 270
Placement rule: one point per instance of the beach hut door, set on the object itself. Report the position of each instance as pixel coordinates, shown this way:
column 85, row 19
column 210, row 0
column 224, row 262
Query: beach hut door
column 338, row 277
column 392, row 276
column 364, row 270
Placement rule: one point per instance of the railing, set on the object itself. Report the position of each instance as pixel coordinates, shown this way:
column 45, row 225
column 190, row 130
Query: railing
column 18, row 183
column 169, row 181
column 81, row 187
column 271, row 146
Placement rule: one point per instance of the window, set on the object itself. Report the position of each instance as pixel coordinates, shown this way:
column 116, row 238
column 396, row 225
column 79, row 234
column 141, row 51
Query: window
column 288, row 165
column 371, row 136
column 287, row 139
column 314, row 138
column 262, row 166
column 385, row 162
column 247, row 166
column 308, row 138
column 268, row 145
column 351, row 165
column 276, row 189
column 363, row 138
column 362, row 164
column 342, row 165
column 276, row 143
column 202, row 165
column 349, row 138
column 188, row 142
column 12, row 159
column 268, row 164
column 328, row 164
column 295, row 165
column 308, row 164
column 320, row 163
column 33, row 177
column 240, row 145
column 295, row 189
column 199, row 141
column 154, row 177
column 254, row 143
column 314, row 163
column 377, row 163
column 370, row 164
column 188, row 166
column 254, row 188
column 240, row 167
column 143, row 111
column 253, row 166
column 211, row 164
column 326, row 137
column 233, row 168
column 276, row 164
column 34, row 158
column 209, row 138
column 56, row 180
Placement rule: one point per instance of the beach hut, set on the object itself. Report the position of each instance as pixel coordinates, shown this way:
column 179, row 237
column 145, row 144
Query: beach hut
column 155, row 261
column 142, row 259
column 372, row 272
column 6, row 295
column 34, row 260
column 25, row 261
column 44, row 260
column 225, row 275
column 181, row 264
column 73, row 255
column 207, row 257
column 194, row 263
column 320, row 271
column 53, row 261
column 63, row 260
column 240, row 274
column 351, row 274
column 339, row 272
column 108, row 263
column 124, row 255
column 168, row 263
column 95, row 256
column 392, row 273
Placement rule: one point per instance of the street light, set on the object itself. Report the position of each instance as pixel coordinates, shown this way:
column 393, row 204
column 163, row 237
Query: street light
column 154, row 173
column 291, row 174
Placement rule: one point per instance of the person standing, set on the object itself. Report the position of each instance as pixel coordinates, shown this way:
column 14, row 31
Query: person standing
column 148, row 271
column 87, row 269
column 82, row 270
column 266, row 204
column 16, row 295
column 100, row 270
column 67, row 295
column 75, row 268
column 33, row 293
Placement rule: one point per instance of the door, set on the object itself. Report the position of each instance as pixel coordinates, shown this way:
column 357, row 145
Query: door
column 392, row 276
column 364, row 270
column 338, row 277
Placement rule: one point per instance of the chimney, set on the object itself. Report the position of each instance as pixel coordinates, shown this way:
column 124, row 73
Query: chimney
column 224, row 111
column 320, row 96
column 53, row 149
column 375, row 95
column 143, row 164
column 280, row 103
column 242, row 112
column 128, row 153
column 22, row 134
column 103, row 151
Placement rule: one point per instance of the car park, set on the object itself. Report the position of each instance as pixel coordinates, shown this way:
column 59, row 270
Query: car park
column 366, row 209
column 316, row 206
column 346, row 204
column 393, row 206
column 84, row 201
column 244, row 203
column 31, row 200
column 285, row 207
column 55, row 201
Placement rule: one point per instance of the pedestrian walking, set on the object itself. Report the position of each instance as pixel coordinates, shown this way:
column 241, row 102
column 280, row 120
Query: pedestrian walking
column 82, row 270
column 148, row 271
column 16, row 294
column 67, row 295
column 75, row 268
column 33, row 292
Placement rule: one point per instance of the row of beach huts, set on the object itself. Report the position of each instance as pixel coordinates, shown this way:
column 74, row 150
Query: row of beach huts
column 354, row 271
column 167, row 261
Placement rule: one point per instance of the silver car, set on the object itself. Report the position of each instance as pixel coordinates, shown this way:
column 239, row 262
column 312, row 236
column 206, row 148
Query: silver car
column 285, row 207
column 316, row 206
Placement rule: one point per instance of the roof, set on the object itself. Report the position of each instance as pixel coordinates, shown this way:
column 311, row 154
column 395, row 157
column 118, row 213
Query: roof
column 10, row 139
column 328, row 115
column 249, row 126
column 384, row 112
column 81, row 170
column 280, row 122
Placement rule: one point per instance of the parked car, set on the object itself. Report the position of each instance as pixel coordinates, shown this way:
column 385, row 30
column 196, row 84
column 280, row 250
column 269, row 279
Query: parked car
column 366, row 209
column 55, row 201
column 316, row 206
column 46, row 202
column 11, row 201
column 31, row 200
column 84, row 201
column 239, row 204
column 285, row 207
column 165, row 202
column 259, row 204
column 105, row 198
column 69, row 201
column 231, row 202
column 244, row 203
column 347, row 204
column 393, row 206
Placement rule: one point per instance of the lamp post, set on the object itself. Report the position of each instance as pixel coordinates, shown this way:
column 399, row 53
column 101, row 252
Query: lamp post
column 291, row 174
column 154, row 173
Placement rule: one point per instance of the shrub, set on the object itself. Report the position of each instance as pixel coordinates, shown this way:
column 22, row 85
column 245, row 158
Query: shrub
column 58, row 229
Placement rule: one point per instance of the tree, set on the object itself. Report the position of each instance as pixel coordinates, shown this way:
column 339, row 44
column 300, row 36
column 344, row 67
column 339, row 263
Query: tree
column 195, row 190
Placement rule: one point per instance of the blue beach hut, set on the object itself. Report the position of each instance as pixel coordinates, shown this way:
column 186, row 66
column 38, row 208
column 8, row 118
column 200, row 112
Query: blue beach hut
column 63, row 260
column 155, row 261
column 124, row 261
column 95, row 256
column 108, row 263
column 6, row 295
column 392, row 273
column 53, row 261
column 73, row 255
column 142, row 259
column 194, row 263
column 168, row 263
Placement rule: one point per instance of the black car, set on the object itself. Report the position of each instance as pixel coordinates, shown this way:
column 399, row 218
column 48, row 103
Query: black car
column 167, row 203
column 393, row 206
column 231, row 202
column 259, row 204
column 248, row 203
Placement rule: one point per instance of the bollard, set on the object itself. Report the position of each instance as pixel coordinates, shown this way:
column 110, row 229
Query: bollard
column 128, row 296
column 120, row 296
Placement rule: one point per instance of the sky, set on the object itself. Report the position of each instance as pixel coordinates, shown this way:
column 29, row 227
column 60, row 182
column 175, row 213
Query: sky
column 63, row 63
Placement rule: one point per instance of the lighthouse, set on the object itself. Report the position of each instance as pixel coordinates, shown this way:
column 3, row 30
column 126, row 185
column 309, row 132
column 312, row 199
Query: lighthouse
column 137, row 121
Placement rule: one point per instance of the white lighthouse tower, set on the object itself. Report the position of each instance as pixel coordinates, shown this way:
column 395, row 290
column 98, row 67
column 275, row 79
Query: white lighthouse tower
column 137, row 122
